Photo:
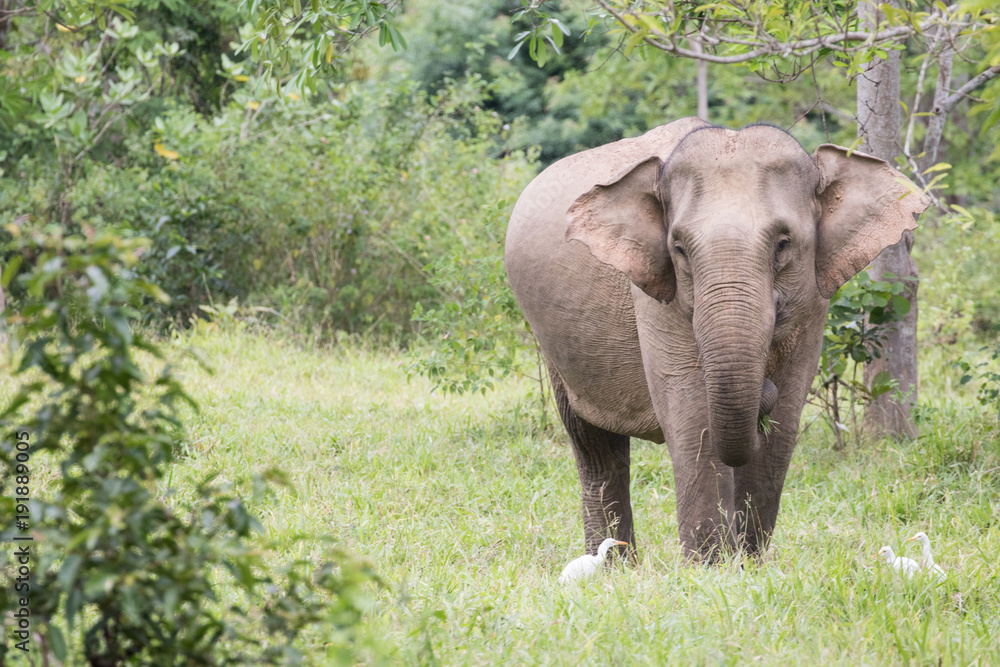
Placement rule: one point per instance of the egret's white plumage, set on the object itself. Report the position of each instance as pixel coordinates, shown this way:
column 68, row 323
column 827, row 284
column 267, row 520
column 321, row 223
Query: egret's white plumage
column 902, row 564
column 584, row 566
column 927, row 562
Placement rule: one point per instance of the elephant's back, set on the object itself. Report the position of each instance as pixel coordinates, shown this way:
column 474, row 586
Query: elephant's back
column 581, row 309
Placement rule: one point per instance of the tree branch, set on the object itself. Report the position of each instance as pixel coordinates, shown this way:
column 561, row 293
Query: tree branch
column 843, row 43
column 935, row 125
column 846, row 41
column 944, row 103
column 976, row 81
column 920, row 91
column 918, row 175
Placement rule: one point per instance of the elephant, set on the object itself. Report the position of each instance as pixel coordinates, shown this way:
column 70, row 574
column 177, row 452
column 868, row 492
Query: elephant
column 678, row 284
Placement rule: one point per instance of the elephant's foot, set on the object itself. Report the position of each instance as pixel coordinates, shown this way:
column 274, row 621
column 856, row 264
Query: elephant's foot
column 604, row 518
column 752, row 536
column 708, row 543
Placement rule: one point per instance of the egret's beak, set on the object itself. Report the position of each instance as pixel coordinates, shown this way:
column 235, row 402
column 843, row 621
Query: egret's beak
column 875, row 557
column 910, row 539
column 624, row 544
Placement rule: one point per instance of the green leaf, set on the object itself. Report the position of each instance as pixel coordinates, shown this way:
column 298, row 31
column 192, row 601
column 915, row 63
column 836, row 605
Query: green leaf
column 557, row 36
column 56, row 642
column 10, row 270
column 99, row 584
column 900, row 305
column 854, row 145
column 170, row 599
column 882, row 383
column 398, row 41
column 940, row 166
column 67, row 573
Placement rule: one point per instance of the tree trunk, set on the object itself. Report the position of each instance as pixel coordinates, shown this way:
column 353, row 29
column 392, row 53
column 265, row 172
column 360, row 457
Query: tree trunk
column 701, row 82
column 879, row 125
column 702, row 90
column 5, row 6
column 3, row 316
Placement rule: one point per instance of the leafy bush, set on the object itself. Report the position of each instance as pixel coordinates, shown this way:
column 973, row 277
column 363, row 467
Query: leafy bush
column 369, row 200
column 986, row 372
column 329, row 215
column 478, row 332
column 323, row 205
column 960, row 278
column 118, row 574
column 860, row 316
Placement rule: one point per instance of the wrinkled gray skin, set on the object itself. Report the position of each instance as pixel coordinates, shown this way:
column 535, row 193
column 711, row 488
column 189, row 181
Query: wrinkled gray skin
column 678, row 284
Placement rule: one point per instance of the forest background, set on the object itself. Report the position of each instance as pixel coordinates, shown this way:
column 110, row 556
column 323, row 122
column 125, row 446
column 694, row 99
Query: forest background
column 335, row 204
column 341, row 208
column 363, row 204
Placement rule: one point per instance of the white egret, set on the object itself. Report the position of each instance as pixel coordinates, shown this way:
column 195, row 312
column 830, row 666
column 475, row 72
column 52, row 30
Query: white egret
column 901, row 564
column 584, row 566
column 927, row 562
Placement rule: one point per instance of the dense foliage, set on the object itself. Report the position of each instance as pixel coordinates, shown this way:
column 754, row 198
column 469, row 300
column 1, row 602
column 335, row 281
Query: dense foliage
column 326, row 211
column 331, row 224
column 331, row 203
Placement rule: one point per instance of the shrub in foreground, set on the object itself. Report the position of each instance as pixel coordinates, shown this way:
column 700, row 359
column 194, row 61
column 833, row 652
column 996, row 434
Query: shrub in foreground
column 118, row 574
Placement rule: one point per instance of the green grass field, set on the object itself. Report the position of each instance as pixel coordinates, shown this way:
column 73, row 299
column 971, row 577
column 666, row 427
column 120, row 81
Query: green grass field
column 468, row 509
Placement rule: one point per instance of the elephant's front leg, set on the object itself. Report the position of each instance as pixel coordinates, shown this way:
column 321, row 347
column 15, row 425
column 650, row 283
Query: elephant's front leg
column 602, row 460
column 703, row 484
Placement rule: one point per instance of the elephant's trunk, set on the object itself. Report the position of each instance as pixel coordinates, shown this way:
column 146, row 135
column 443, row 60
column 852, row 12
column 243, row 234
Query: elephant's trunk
column 733, row 324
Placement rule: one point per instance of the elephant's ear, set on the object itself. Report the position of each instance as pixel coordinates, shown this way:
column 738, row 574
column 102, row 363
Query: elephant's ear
column 623, row 224
column 866, row 207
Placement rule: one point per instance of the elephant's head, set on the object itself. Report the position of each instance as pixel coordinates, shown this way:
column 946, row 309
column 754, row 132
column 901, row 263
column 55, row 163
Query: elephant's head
column 745, row 231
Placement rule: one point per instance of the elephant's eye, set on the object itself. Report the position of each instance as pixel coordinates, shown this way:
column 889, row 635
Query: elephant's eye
column 780, row 257
column 680, row 250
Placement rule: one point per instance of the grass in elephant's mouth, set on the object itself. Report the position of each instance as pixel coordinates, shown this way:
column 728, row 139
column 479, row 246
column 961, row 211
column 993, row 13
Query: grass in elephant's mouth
column 469, row 508
column 766, row 425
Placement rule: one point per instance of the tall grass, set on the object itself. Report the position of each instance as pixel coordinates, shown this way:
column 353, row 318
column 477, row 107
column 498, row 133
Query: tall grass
column 469, row 509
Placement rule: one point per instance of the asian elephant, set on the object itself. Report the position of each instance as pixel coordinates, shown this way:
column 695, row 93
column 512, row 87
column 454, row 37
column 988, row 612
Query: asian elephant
column 678, row 284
